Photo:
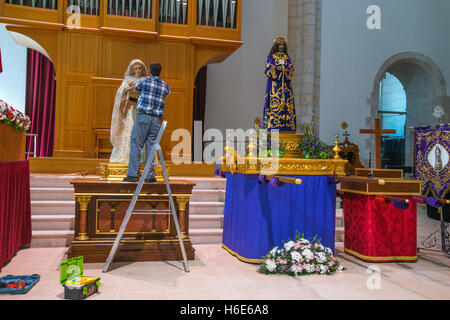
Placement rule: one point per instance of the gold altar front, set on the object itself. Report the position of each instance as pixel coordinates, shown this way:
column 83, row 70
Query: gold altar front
column 284, row 166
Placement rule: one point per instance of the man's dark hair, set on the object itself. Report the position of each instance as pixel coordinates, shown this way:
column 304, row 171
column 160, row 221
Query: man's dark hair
column 155, row 69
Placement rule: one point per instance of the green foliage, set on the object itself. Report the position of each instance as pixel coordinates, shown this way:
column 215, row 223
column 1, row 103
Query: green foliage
column 312, row 148
column 261, row 129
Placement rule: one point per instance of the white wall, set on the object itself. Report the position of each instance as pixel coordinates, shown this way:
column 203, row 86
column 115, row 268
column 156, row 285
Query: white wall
column 352, row 55
column 13, row 77
column 236, row 87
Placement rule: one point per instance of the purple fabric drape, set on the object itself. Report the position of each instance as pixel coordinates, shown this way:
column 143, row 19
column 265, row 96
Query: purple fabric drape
column 435, row 178
column 40, row 103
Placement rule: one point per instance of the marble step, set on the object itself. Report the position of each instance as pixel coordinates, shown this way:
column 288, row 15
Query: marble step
column 208, row 195
column 212, row 183
column 206, row 236
column 41, row 194
column 52, row 222
column 50, row 207
column 208, row 208
column 339, row 234
column 339, row 218
column 51, row 238
column 52, row 180
column 206, row 221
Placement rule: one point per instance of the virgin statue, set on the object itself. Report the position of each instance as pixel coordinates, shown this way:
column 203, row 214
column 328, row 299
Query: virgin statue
column 124, row 112
column 279, row 108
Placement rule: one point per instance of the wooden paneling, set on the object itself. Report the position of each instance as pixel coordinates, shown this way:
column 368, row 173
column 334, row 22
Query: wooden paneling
column 82, row 53
column 122, row 22
column 76, row 104
column 118, row 53
column 103, row 104
column 76, row 117
column 173, row 58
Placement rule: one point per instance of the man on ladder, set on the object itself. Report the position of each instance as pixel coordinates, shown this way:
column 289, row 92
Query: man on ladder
column 147, row 130
column 150, row 110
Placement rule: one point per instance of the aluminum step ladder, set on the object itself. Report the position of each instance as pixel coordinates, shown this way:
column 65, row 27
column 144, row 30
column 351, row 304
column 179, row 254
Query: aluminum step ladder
column 130, row 211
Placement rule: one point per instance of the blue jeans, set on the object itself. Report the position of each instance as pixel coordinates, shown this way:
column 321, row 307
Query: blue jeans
column 145, row 130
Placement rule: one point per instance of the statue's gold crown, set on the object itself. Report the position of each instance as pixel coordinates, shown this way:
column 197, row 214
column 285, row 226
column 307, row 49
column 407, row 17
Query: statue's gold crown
column 280, row 41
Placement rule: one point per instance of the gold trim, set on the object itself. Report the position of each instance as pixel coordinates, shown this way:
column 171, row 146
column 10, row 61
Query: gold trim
column 118, row 171
column 393, row 258
column 82, row 237
column 182, row 203
column 84, row 201
column 240, row 257
column 286, row 166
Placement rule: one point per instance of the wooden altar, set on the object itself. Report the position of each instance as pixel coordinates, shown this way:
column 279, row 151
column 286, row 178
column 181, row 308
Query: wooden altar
column 101, row 207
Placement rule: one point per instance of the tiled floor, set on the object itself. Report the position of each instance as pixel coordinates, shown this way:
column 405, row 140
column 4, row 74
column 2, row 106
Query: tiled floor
column 216, row 275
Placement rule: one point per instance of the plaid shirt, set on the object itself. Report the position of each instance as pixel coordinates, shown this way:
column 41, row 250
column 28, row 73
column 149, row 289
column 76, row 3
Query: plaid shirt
column 153, row 93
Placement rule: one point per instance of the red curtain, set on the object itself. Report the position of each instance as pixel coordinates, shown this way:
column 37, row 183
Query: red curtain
column 15, row 208
column 40, row 102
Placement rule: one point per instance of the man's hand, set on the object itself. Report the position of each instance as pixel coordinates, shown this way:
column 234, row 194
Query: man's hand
column 131, row 83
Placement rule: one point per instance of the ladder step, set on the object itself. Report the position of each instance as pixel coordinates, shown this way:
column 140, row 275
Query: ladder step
column 156, row 212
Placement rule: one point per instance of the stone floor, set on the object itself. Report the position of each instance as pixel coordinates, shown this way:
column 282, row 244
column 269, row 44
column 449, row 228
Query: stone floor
column 216, row 275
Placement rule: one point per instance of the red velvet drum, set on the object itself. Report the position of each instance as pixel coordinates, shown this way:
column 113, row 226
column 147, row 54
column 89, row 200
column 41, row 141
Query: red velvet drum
column 376, row 231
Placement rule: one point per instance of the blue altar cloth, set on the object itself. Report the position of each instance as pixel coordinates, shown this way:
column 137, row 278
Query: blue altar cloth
column 259, row 217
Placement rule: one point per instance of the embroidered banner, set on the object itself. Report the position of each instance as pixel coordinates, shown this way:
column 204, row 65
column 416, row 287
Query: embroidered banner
column 432, row 150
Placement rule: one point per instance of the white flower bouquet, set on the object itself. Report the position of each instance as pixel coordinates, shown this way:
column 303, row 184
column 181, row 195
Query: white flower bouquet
column 300, row 257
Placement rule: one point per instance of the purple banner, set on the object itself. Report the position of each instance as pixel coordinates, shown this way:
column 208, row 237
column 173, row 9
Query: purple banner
column 431, row 159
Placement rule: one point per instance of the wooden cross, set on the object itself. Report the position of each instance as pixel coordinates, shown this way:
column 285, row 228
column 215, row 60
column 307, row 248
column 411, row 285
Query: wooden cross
column 378, row 132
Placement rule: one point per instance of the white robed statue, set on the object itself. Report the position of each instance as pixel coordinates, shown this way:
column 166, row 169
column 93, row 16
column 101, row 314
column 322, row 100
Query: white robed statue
column 124, row 112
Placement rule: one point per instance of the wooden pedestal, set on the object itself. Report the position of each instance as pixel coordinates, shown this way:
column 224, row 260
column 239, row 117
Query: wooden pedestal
column 101, row 207
column 12, row 143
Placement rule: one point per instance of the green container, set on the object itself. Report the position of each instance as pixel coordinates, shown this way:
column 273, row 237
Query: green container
column 77, row 287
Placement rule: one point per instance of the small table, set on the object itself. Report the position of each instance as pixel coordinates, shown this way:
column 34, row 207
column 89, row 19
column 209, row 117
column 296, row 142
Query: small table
column 101, row 207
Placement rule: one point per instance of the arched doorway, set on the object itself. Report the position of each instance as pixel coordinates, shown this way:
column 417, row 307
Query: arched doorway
column 406, row 89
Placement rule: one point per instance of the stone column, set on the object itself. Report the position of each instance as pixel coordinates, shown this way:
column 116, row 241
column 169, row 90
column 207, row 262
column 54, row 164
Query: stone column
column 304, row 45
